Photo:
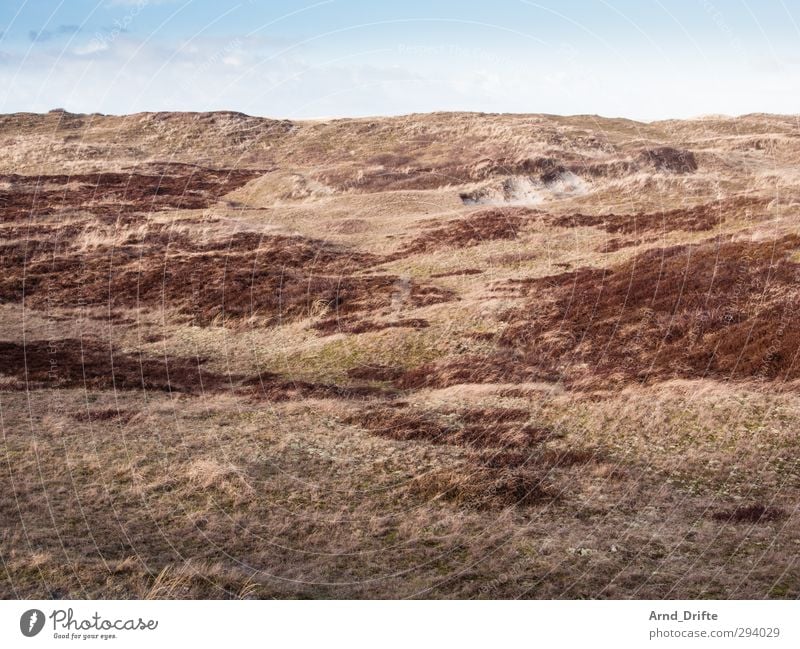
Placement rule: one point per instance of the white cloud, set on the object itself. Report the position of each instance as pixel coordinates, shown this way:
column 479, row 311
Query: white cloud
column 92, row 47
column 125, row 74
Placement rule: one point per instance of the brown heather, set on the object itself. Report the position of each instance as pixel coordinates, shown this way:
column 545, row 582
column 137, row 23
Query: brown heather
column 447, row 355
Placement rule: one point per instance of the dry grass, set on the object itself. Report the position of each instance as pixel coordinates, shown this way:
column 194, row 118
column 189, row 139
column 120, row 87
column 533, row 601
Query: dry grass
column 291, row 362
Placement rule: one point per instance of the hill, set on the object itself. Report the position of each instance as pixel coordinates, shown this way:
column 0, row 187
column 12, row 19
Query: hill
column 439, row 355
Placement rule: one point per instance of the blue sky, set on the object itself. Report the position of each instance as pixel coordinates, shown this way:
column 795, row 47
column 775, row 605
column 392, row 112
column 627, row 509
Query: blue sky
column 649, row 59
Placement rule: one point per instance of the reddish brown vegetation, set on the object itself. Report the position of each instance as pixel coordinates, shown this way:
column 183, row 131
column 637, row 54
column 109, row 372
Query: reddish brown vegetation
column 481, row 487
column 692, row 219
column 376, row 373
column 612, row 245
column 751, row 514
column 458, row 273
column 109, row 414
column 115, row 194
column 93, row 364
column 718, row 309
column 488, row 225
column 721, row 309
column 503, row 365
column 508, row 462
column 667, row 158
column 272, row 277
column 479, row 428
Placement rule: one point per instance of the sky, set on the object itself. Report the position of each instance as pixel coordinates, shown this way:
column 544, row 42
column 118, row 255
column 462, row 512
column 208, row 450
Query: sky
column 642, row 59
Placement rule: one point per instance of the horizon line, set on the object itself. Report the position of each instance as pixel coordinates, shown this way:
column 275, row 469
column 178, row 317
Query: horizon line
column 702, row 116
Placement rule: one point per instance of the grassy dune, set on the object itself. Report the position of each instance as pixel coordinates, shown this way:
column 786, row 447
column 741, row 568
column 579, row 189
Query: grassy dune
column 444, row 355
